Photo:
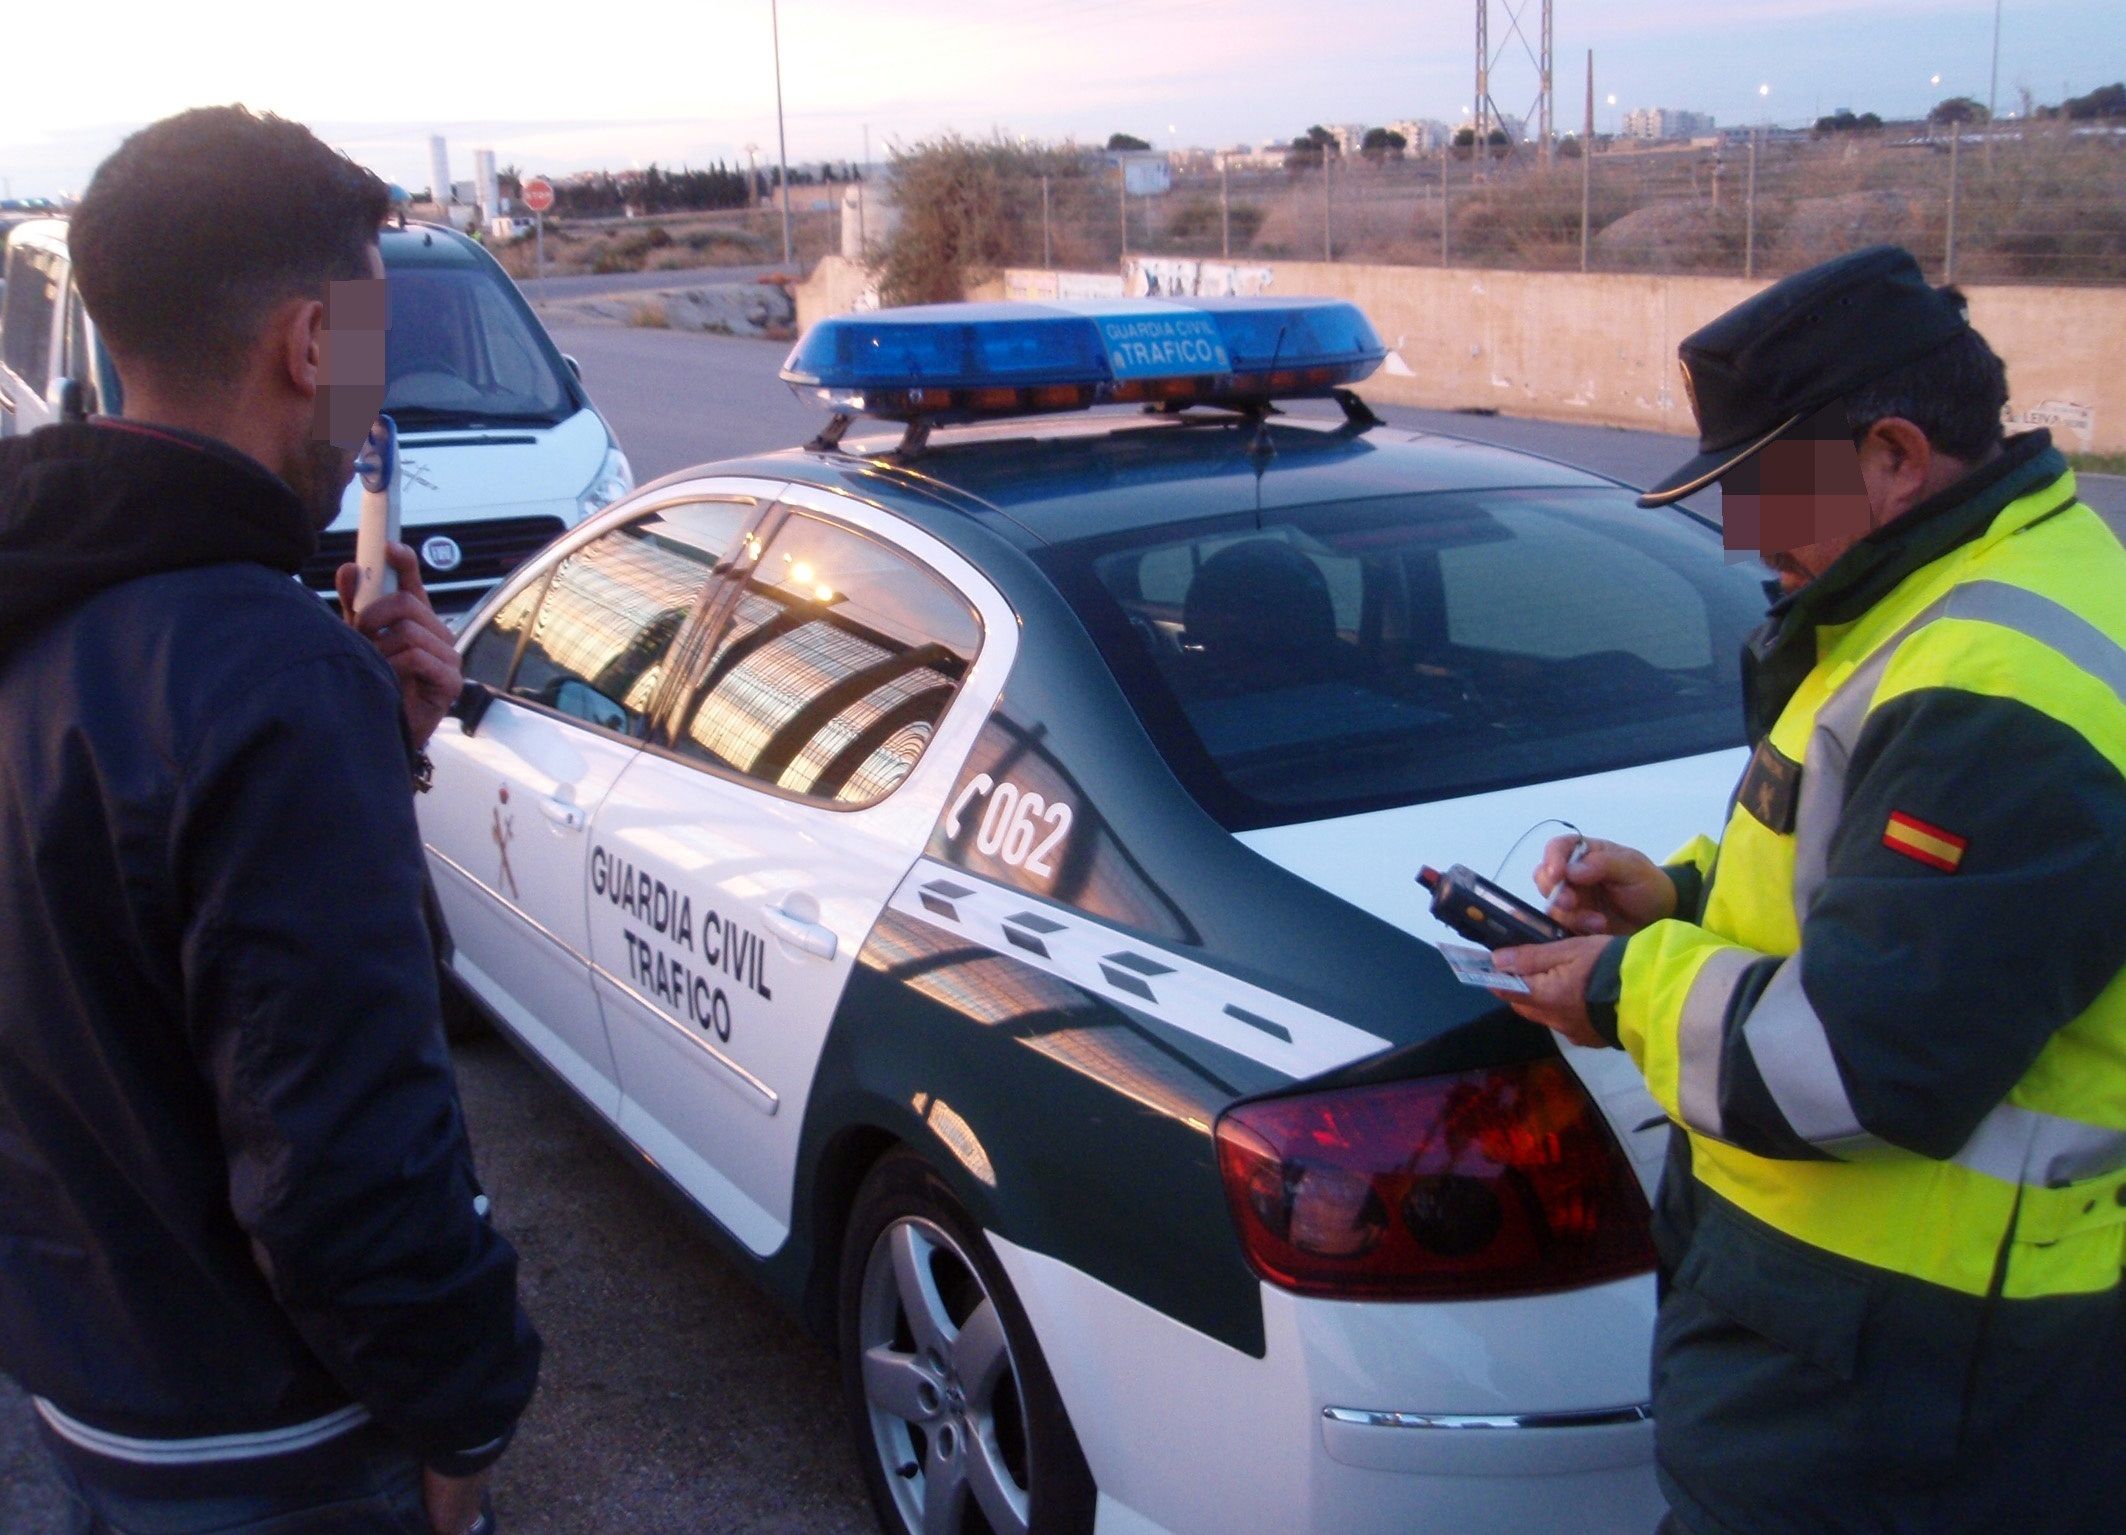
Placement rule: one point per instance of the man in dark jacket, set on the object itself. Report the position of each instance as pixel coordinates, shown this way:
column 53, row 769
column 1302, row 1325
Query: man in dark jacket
column 245, row 1266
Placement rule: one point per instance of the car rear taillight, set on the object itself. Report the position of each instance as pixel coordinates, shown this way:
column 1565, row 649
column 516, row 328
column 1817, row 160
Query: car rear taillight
column 1504, row 1181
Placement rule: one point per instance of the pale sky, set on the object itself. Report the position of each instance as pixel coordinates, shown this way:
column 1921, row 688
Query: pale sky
column 562, row 87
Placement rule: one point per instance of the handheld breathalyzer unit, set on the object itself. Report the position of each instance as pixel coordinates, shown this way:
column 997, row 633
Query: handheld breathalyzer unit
column 378, row 466
column 1483, row 913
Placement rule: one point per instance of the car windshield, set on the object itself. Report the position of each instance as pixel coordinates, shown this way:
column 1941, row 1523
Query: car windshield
column 462, row 352
column 1330, row 659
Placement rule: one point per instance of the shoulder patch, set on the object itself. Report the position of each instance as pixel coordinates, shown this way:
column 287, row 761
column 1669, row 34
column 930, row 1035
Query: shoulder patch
column 1930, row 845
column 1771, row 789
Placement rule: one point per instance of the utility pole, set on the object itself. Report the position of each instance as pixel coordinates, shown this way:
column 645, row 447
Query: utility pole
column 1122, row 202
column 1327, row 252
column 1548, row 127
column 1446, row 153
column 782, row 142
column 1587, row 162
column 1993, row 89
column 1048, row 259
column 1482, row 138
column 1749, row 234
column 752, row 178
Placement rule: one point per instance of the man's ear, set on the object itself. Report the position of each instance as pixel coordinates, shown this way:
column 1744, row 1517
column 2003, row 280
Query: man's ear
column 1895, row 462
column 301, row 329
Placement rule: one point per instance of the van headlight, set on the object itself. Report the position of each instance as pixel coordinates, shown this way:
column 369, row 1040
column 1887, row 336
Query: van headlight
column 613, row 480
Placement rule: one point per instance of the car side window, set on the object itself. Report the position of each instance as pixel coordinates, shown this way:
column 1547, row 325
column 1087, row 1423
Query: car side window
column 80, row 364
column 26, row 324
column 591, row 639
column 840, row 655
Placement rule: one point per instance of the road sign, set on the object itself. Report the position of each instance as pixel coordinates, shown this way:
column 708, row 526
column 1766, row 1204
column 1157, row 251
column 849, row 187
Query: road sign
column 538, row 194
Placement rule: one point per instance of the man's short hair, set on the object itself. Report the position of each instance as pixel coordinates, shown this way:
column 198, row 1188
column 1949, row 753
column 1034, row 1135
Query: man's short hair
column 198, row 225
column 1954, row 394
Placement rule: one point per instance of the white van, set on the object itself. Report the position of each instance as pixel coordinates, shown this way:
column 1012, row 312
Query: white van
column 501, row 449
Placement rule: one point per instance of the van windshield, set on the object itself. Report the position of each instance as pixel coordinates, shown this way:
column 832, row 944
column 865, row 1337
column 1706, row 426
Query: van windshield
column 1326, row 660
column 461, row 351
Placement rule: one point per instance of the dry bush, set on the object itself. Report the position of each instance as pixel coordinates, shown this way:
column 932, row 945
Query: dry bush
column 968, row 207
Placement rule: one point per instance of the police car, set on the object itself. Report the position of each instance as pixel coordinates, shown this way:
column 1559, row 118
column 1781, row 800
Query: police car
column 975, row 866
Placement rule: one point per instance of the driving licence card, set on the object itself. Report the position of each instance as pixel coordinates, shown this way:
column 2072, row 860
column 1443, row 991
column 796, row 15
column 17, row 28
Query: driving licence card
column 1473, row 967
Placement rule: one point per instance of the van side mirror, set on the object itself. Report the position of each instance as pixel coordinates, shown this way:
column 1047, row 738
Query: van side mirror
column 67, row 399
column 574, row 366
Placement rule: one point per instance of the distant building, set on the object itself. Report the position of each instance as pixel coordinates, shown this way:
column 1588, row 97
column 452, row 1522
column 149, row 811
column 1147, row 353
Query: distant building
column 1666, row 123
column 1348, row 136
column 1422, row 135
column 1261, row 157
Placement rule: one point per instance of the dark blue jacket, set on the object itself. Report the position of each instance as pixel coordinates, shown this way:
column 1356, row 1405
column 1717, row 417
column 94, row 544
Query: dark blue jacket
column 235, row 1187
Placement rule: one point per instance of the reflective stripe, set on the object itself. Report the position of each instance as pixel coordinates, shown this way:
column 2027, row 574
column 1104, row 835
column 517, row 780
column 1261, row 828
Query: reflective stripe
column 206, row 1451
column 1840, row 720
column 2019, row 1145
column 1700, row 1033
column 1793, row 1055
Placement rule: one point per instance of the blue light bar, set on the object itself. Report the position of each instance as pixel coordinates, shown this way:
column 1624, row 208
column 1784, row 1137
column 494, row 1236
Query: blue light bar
column 965, row 361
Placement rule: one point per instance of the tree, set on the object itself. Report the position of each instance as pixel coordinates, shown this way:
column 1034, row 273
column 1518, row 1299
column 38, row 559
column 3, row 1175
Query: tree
column 1382, row 144
column 2104, row 101
column 1843, row 121
column 1958, row 109
column 1125, row 143
column 1311, row 149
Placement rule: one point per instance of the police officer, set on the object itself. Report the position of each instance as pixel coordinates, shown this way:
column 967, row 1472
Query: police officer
column 1887, row 1009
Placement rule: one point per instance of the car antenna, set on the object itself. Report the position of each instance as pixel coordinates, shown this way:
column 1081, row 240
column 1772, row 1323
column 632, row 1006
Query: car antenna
column 1260, row 447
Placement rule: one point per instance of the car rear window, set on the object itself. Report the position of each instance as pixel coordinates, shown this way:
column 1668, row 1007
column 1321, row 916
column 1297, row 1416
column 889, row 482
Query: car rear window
column 1303, row 663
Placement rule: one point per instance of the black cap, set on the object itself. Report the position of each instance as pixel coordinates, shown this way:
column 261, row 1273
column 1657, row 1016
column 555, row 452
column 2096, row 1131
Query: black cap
column 1803, row 343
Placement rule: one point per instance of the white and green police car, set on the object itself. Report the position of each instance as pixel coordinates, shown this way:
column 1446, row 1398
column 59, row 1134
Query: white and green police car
column 975, row 867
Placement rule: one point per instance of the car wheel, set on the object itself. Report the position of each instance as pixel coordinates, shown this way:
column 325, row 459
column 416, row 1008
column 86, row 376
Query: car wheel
column 956, row 1419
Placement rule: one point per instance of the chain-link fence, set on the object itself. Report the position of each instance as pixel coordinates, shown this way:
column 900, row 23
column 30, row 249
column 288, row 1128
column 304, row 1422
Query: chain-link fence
column 2033, row 203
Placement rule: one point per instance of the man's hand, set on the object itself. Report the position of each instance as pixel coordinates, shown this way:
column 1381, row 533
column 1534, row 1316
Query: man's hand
column 1556, row 974
column 1613, row 890
column 453, row 1502
column 406, row 632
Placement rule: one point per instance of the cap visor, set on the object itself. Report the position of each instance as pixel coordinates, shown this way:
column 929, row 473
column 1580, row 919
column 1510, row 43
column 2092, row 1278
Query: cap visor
column 1708, row 467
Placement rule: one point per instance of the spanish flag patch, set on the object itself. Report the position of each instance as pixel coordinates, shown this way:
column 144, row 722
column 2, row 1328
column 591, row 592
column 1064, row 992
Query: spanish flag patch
column 1931, row 845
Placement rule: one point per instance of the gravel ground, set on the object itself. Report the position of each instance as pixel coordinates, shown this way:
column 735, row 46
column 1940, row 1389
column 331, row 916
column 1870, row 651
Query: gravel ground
column 674, row 1397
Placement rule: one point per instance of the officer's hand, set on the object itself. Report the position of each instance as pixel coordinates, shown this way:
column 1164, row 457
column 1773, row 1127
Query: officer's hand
column 453, row 1502
column 1556, row 974
column 1613, row 890
column 406, row 632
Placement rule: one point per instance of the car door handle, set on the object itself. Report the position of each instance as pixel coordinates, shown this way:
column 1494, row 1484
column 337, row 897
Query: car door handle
column 813, row 937
column 564, row 815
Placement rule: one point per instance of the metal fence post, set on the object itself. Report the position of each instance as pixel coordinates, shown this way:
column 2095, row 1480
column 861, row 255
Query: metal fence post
column 1327, row 254
column 1225, row 210
column 1749, row 225
column 1948, row 259
column 1587, row 163
column 1047, row 249
column 1122, row 201
column 1446, row 153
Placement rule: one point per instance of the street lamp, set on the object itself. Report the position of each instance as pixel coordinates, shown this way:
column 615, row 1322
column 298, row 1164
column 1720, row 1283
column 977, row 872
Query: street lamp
column 782, row 142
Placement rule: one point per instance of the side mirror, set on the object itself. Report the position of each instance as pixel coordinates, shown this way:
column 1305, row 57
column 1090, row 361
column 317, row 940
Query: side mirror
column 587, row 703
column 574, row 366
column 66, row 398
column 471, row 707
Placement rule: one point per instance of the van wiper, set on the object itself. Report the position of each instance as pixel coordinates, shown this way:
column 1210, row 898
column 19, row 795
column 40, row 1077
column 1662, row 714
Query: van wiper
column 420, row 416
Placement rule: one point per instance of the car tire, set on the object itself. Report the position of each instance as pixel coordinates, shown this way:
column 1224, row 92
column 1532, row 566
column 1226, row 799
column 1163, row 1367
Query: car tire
column 944, row 1387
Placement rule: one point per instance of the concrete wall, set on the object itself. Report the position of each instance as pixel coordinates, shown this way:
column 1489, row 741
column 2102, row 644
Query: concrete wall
column 1601, row 348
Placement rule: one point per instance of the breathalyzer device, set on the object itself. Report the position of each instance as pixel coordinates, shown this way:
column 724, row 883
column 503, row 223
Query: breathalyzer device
column 1483, row 913
column 378, row 466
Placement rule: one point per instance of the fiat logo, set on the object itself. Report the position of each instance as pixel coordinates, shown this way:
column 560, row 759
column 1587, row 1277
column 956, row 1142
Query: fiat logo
column 441, row 553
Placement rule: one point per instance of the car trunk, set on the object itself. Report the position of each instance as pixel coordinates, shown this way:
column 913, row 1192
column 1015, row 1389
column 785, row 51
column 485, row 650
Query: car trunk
column 1371, row 860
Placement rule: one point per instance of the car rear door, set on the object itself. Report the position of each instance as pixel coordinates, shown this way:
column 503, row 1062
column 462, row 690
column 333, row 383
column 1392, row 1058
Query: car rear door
column 576, row 654
column 820, row 717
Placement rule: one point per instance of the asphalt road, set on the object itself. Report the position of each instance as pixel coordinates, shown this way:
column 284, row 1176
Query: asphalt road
column 540, row 289
column 674, row 1396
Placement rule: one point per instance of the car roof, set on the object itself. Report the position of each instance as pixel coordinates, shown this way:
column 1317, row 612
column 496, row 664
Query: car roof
column 1057, row 479
column 426, row 245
